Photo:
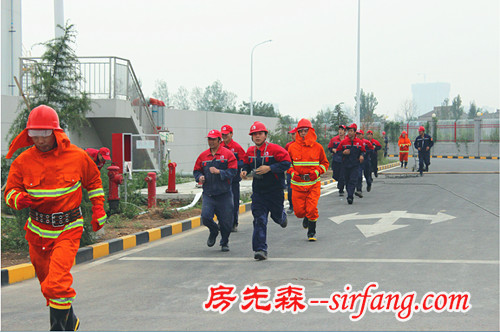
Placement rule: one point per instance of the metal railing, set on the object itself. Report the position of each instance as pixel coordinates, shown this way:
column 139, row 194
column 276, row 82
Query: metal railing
column 102, row 78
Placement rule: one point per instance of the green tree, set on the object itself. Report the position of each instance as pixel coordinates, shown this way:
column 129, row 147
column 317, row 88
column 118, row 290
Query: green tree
column 280, row 135
column 408, row 111
column 368, row 104
column 339, row 117
column 260, row 108
column 456, row 107
column 57, row 83
column 180, row 99
column 161, row 92
column 473, row 109
column 215, row 99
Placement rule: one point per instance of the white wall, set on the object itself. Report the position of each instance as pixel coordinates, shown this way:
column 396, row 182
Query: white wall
column 10, row 107
column 190, row 129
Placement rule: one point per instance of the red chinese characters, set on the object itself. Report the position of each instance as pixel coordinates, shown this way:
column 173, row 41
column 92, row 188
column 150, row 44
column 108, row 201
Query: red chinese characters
column 220, row 298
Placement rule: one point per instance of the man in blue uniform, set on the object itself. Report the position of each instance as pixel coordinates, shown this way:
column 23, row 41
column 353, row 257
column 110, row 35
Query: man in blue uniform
column 365, row 165
column 353, row 152
column 337, row 168
column 239, row 153
column 215, row 168
column 423, row 143
column 267, row 162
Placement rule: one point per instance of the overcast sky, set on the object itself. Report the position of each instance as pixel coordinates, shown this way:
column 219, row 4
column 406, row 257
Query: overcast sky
column 311, row 62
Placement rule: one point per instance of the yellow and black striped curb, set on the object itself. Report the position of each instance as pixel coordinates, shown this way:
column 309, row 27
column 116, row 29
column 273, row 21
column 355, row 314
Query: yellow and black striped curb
column 20, row 272
column 26, row 271
column 450, row 157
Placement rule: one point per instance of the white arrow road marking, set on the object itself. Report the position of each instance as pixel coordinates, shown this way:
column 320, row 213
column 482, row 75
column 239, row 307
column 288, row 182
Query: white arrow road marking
column 340, row 219
column 386, row 220
column 440, row 217
column 385, row 224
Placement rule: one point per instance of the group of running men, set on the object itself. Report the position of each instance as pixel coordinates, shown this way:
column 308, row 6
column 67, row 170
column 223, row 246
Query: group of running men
column 220, row 169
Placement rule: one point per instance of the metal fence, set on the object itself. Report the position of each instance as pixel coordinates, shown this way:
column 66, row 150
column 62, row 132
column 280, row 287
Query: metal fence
column 102, row 78
column 490, row 130
column 448, row 130
column 455, row 131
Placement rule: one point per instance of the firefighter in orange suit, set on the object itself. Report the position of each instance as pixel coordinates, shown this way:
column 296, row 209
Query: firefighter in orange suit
column 48, row 178
column 404, row 147
column 309, row 161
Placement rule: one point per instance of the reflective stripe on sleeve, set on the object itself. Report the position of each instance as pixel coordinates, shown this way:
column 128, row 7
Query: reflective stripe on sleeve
column 102, row 220
column 96, row 192
column 12, row 192
column 15, row 200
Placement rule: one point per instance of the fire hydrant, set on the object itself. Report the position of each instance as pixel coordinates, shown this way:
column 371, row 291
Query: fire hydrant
column 151, row 180
column 171, row 178
column 115, row 179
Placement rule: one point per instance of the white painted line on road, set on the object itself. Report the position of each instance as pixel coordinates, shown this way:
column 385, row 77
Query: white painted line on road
column 315, row 260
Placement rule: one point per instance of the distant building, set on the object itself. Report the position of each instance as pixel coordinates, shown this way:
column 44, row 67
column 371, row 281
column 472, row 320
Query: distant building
column 442, row 112
column 428, row 95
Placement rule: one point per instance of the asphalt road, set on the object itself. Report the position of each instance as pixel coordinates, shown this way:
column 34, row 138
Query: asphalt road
column 436, row 233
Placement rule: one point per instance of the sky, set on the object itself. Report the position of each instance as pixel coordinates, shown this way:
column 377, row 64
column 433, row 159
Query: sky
column 311, row 62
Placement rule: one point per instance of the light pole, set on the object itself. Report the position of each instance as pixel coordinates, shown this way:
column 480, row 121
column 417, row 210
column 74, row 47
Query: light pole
column 251, row 75
column 358, row 102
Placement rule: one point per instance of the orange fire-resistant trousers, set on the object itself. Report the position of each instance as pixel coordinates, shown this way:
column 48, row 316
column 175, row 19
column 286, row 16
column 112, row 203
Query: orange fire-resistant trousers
column 403, row 156
column 53, row 265
column 305, row 202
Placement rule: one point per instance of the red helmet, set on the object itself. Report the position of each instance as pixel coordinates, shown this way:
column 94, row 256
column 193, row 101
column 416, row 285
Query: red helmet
column 383, row 133
column 343, row 127
column 360, row 132
column 214, row 134
column 404, row 132
column 369, row 132
column 43, row 117
column 353, row 126
column 421, row 128
column 304, row 123
column 257, row 127
column 293, row 131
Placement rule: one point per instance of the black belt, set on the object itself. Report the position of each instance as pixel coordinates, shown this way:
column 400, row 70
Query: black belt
column 57, row 219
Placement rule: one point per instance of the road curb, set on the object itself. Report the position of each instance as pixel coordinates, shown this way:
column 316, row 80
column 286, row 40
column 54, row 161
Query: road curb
column 20, row 272
column 449, row 157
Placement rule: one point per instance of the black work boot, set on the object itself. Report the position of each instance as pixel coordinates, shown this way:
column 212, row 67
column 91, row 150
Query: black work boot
column 211, row 239
column 73, row 323
column 406, row 164
column 401, row 164
column 311, row 232
column 305, row 223
column 58, row 319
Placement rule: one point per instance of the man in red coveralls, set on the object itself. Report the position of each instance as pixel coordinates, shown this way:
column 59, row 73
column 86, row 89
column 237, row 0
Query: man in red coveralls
column 99, row 156
column 48, row 178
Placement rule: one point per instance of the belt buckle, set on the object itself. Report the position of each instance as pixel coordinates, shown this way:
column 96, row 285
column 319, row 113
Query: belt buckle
column 60, row 222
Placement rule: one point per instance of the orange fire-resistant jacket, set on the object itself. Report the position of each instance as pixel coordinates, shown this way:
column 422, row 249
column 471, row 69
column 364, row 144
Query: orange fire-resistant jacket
column 54, row 180
column 404, row 144
column 308, row 157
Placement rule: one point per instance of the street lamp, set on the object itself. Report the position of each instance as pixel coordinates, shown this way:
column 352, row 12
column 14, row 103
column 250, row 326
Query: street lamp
column 358, row 102
column 251, row 75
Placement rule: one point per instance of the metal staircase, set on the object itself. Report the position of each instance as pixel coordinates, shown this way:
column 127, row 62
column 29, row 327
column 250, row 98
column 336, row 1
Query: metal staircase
column 118, row 104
